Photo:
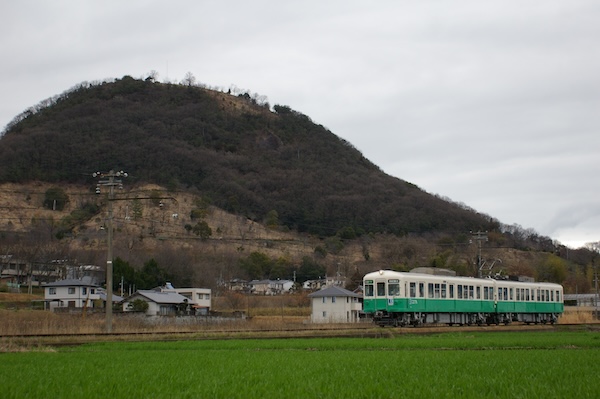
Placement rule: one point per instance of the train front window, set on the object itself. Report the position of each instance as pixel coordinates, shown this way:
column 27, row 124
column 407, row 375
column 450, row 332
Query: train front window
column 394, row 288
column 380, row 289
column 369, row 288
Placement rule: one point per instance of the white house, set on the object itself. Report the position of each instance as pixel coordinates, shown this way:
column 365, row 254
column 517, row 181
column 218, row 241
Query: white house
column 270, row 287
column 160, row 303
column 335, row 305
column 199, row 298
column 71, row 293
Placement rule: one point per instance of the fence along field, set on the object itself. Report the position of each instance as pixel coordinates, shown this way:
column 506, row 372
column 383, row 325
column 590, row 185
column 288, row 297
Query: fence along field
column 555, row 364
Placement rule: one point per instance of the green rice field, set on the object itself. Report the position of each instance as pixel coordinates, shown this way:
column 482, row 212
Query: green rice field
column 548, row 364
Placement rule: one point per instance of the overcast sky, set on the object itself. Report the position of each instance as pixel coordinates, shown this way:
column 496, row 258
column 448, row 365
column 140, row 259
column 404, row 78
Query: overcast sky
column 494, row 104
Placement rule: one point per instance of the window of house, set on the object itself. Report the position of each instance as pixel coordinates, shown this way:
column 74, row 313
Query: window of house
column 83, row 290
column 332, row 299
column 324, row 299
column 92, row 291
column 71, row 290
column 324, row 314
column 52, row 291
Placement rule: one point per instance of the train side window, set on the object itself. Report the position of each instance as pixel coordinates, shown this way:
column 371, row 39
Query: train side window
column 380, row 289
column 537, row 295
column 451, row 291
column 413, row 290
column 527, row 294
column 430, row 290
column 421, row 290
column 478, row 291
column 485, row 293
column 460, row 294
column 437, row 291
column 369, row 289
column 551, row 296
column 394, row 289
column 443, row 290
column 471, row 292
column 512, row 294
column 557, row 296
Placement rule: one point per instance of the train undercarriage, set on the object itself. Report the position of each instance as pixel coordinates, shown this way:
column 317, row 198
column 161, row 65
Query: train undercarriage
column 402, row 319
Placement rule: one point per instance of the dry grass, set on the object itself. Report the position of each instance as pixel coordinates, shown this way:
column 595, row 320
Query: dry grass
column 577, row 315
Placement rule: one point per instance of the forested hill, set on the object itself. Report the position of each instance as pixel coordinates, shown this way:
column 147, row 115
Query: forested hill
column 232, row 149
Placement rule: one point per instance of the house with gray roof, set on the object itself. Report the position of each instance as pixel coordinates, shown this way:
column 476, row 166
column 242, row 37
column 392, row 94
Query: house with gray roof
column 335, row 304
column 160, row 303
column 75, row 293
column 70, row 293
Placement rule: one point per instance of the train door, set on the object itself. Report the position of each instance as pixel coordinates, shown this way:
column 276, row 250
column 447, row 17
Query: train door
column 380, row 286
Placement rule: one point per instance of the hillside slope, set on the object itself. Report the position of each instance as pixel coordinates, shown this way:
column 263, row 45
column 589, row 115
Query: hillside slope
column 237, row 154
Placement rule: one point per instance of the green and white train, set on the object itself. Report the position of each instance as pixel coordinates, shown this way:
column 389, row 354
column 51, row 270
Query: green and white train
column 400, row 299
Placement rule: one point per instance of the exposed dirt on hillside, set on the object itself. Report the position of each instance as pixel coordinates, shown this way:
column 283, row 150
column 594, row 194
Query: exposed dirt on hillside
column 147, row 217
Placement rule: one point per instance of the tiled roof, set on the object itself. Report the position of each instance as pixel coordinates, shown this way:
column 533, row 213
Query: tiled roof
column 71, row 282
column 163, row 297
column 334, row 291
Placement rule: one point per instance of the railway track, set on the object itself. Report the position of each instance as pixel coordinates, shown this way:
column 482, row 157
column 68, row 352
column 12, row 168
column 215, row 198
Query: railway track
column 33, row 340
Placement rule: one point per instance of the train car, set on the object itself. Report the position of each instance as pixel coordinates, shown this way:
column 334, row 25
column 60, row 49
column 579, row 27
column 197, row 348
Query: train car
column 400, row 299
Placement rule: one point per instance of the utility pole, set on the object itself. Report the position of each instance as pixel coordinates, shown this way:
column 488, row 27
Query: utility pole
column 480, row 237
column 110, row 179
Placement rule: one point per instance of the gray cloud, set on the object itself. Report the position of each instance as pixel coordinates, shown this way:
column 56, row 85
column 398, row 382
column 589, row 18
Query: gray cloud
column 493, row 104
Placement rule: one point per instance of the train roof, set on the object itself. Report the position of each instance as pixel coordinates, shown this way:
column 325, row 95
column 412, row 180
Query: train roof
column 456, row 279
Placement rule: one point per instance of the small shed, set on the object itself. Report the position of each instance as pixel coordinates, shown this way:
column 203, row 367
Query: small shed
column 335, row 305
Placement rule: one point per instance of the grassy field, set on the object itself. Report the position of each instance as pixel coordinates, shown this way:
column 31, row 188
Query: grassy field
column 549, row 364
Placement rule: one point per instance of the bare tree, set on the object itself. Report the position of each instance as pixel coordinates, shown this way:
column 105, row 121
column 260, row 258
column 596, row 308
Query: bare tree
column 189, row 79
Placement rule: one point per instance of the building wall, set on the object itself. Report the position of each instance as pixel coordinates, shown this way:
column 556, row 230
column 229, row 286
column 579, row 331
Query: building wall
column 201, row 297
column 74, row 297
column 335, row 310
